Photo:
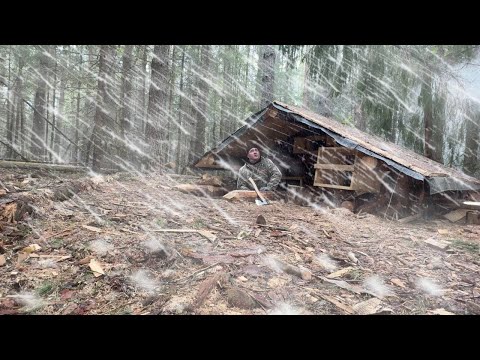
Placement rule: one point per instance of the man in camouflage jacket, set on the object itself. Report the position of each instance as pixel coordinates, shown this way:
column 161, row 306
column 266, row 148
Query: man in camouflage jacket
column 263, row 171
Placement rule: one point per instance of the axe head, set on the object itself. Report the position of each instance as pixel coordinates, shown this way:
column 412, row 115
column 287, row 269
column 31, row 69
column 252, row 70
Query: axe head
column 260, row 202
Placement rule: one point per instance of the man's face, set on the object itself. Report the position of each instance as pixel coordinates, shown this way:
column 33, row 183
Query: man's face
column 253, row 154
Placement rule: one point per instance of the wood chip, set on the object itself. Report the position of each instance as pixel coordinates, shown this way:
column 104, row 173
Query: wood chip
column 96, row 268
column 438, row 244
column 344, row 285
column 440, row 311
column 340, row 272
column 92, row 228
column 31, row 248
column 398, row 282
column 208, row 235
column 368, row 307
column 2, row 260
column 22, row 257
column 85, row 260
column 340, row 305
column 352, row 257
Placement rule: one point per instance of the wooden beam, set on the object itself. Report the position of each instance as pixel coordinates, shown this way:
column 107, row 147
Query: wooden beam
column 333, row 186
column 335, row 167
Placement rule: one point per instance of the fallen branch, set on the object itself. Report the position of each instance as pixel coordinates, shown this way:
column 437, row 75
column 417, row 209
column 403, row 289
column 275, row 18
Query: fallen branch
column 206, row 287
column 206, row 234
column 327, row 234
column 304, row 274
column 281, row 228
column 195, row 273
column 344, row 285
column 219, row 229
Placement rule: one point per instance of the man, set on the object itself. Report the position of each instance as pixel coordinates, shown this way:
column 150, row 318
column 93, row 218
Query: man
column 263, row 171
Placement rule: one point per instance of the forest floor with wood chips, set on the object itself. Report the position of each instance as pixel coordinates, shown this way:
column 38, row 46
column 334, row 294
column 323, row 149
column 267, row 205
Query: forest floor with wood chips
column 135, row 245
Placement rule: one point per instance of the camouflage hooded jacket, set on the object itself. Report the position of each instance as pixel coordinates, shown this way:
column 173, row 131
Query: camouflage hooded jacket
column 265, row 174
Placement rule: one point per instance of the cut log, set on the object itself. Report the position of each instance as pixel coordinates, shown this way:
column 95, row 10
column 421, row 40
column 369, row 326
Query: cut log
column 473, row 217
column 201, row 190
column 34, row 165
column 247, row 195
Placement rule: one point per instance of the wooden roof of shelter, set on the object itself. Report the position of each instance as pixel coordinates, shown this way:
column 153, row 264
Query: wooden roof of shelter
column 279, row 120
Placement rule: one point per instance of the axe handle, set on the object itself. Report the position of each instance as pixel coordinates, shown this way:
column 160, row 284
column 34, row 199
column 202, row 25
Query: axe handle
column 257, row 191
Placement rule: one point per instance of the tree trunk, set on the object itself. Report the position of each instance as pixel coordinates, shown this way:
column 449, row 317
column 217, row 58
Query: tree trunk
column 19, row 105
column 61, row 115
column 101, row 119
column 10, row 121
column 471, row 160
column 9, row 106
column 22, row 128
column 171, row 83
column 180, row 114
column 143, row 113
column 267, row 66
column 77, row 124
column 127, row 103
column 438, row 127
column 157, row 96
column 38, row 127
column 200, row 101
column 54, row 117
column 359, row 118
column 427, row 116
column 226, row 103
column 46, row 147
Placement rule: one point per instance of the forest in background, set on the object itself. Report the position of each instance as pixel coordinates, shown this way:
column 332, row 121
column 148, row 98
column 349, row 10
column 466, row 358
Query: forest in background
column 132, row 107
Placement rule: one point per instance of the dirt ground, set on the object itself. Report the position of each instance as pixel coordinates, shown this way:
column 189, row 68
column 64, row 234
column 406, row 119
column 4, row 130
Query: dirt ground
column 106, row 251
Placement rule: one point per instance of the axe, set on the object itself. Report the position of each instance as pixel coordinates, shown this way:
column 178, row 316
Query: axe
column 262, row 200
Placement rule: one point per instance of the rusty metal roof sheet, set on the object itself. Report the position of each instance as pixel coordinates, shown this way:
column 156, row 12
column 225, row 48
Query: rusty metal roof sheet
column 389, row 150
